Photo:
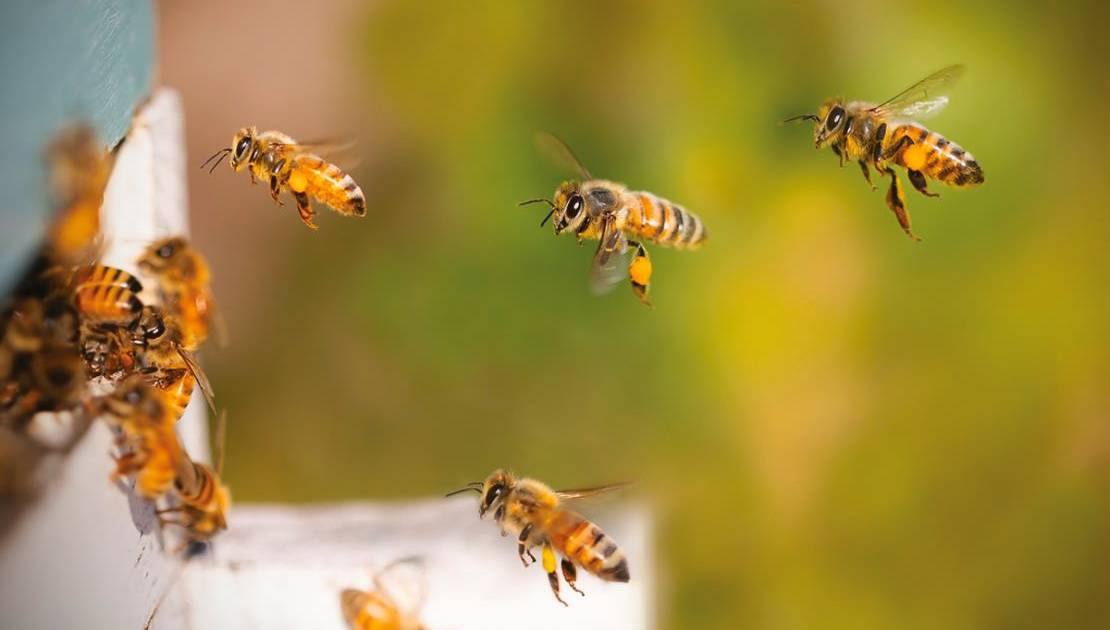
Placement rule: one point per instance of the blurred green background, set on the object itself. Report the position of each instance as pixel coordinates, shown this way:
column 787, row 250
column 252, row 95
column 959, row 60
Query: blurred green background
column 838, row 427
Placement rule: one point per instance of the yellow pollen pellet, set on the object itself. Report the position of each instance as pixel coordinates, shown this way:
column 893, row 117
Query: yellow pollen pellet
column 298, row 182
column 640, row 271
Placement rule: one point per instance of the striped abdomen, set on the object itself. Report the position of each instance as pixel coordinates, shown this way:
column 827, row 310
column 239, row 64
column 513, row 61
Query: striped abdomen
column 178, row 394
column 657, row 220
column 102, row 274
column 588, row 547
column 935, row 157
column 205, row 486
column 108, row 303
column 368, row 611
column 328, row 184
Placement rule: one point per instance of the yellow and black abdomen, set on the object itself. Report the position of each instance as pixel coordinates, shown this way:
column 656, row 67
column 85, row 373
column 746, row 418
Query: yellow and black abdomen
column 651, row 218
column 588, row 546
column 327, row 183
column 934, row 156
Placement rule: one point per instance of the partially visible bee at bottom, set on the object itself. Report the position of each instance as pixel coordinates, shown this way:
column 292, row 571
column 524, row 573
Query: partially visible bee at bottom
column 149, row 448
column 381, row 608
column 534, row 513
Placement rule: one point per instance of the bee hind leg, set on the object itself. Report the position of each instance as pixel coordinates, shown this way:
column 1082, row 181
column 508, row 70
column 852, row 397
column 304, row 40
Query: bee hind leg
column 896, row 201
column 919, row 183
column 304, row 207
column 639, row 272
column 570, row 574
column 549, row 566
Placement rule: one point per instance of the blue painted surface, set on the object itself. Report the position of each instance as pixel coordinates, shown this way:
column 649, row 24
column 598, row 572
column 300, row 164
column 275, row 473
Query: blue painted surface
column 62, row 61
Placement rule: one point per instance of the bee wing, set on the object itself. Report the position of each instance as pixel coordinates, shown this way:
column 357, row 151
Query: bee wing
column 202, row 378
column 405, row 582
column 550, row 145
column 586, row 493
column 922, row 98
column 608, row 266
column 331, row 149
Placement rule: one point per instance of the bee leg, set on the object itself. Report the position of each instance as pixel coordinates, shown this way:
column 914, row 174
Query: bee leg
column 918, row 181
column 548, row 555
column 639, row 272
column 521, row 549
column 836, row 149
column 570, row 574
column 305, row 208
column 896, row 201
column 867, row 174
column 275, row 188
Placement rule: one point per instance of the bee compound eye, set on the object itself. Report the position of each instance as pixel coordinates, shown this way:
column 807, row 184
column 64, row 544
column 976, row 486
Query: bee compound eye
column 241, row 148
column 835, row 116
column 574, row 206
column 165, row 251
column 132, row 397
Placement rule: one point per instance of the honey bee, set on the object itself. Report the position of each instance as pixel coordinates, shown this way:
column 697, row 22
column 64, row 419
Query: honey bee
column 534, row 513
column 287, row 164
column 165, row 356
column 149, row 448
column 106, row 295
column 79, row 170
column 380, row 608
column 883, row 135
column 40, row 369
column 622, row 220
column 183, row 281
column 205, row 500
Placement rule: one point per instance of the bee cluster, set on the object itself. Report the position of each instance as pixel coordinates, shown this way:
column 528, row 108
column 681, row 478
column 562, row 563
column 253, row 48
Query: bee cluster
column 79, row 343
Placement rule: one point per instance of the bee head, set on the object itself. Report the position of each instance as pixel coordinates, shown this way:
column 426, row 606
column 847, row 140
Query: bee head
column 159, row 255
column 241, row 147
column 133, row 397
column 830, row 120
column 570, row 208
column 494, row 490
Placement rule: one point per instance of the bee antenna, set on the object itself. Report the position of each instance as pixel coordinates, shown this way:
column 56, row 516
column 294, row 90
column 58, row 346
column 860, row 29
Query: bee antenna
column 461, row 490
column 531, row 201
column 542, row 223
column 812, row 117
column 218, row 156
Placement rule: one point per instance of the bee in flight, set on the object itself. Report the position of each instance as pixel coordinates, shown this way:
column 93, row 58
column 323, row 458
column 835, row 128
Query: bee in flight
column 289, row 165
column 620, row 219
column 885, row 135
column 534, row 513
column 385, row 606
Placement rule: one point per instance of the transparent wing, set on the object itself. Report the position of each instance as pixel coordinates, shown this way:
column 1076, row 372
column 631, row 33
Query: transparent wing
column 558, row 151
column 923, row 98
column 202, row 378
column 330, row 149
column 586, row 493
column 608, row 267
column 404, row 581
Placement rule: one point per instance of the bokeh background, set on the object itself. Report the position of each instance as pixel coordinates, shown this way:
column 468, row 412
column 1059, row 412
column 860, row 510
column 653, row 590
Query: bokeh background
column 838, row 427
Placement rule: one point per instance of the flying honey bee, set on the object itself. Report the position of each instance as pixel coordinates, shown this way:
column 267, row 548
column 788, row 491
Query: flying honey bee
column 287, row 164
column 534, row 513
column 622, row 220
column 204, row 499
column 149, row 448
column 183, row 281
column 884, row 135
column 165, row 356
column 382, row 608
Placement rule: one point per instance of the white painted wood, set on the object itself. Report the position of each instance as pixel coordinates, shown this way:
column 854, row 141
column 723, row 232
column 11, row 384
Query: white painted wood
column 86, row 553
column 283, row 567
